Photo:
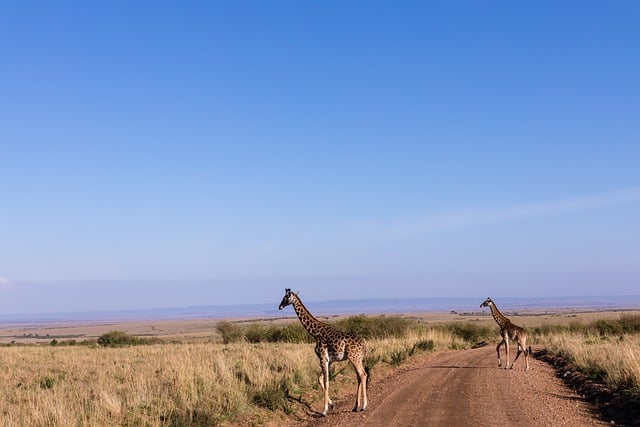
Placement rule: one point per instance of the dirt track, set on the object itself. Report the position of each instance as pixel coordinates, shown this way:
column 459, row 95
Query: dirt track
column 466, row 388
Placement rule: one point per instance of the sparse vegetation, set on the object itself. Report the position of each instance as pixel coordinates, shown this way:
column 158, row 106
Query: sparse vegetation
column 122, row 339
column 258, row 371
column 606, row 350
column 471, row 332
column 120, row 382
column 230, row 332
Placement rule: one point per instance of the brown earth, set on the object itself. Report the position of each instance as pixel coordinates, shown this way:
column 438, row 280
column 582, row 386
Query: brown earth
column 465, row 388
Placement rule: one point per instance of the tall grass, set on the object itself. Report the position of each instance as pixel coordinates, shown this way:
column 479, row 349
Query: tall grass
column 259, row 375
column 606, row 350
column 615, row 361
column 177, row 384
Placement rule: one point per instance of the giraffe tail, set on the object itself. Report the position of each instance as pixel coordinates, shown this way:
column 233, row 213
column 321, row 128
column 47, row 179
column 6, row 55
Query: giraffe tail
column 367, row 370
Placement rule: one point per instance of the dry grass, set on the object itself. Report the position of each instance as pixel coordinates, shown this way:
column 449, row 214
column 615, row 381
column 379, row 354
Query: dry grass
column 172, row 384
column 612, row 360
column 177, row 384
column 210, row 383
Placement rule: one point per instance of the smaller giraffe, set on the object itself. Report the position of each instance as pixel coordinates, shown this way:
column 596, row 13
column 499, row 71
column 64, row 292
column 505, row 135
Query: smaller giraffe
column 332, row 345
column 508, row 331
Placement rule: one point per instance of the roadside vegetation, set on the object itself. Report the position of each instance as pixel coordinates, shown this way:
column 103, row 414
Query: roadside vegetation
column 607, row 351
column 258, row 373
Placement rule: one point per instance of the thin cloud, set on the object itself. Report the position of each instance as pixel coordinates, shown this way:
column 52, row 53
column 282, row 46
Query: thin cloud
column 477, row 217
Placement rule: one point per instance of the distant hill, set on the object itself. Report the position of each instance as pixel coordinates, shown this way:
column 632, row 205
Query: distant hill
column 332, row 307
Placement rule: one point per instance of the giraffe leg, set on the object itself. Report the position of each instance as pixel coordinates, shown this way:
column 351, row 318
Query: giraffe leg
column 324, row 382
column 506, row 344
column 364, row 379
column 526, row 353
column 520, row 348
column 331, row 404
column 361, row 396
column 498, row 351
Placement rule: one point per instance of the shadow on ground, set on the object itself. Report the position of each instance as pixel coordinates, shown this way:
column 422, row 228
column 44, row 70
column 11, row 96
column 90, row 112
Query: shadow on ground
column 615, row 407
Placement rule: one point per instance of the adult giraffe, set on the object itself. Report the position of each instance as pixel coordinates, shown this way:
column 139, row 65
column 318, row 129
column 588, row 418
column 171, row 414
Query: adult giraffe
column 508, row 331
column 332, row 345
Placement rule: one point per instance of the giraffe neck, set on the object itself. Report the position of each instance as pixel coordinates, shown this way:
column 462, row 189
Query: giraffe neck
column 310, row 323
column 500, row 319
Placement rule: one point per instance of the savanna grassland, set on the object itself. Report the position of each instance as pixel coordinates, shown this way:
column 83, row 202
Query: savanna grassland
column 258, row 372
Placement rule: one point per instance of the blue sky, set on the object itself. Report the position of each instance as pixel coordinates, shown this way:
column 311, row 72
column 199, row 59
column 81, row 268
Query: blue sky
column 160, row 153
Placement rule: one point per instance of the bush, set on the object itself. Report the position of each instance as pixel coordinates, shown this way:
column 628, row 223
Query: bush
column 397, row 357
column 471, row 333
column 291, row 333
column 377, row 327
column 364, row 326
column 274, row 396
column 230, row 332
column 424, row 345
column 122, row 339
column 47, row 382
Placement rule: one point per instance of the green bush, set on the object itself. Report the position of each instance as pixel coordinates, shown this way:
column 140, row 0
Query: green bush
column 397, row 357
column 47, row 382
column 630, row 323
column 377, row 326
column 424, row 345
column 291, row 333
column 364, row 326
column 470, row 332
column 274, row 396
column 122, row 339
column 230, row 332
column 625, row 324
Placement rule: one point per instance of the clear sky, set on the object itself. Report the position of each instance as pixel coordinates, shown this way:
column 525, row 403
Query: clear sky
column 158, row 154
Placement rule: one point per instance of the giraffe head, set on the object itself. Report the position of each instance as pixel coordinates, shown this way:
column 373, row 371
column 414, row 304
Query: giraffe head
column 287, row 299
column 486, row 302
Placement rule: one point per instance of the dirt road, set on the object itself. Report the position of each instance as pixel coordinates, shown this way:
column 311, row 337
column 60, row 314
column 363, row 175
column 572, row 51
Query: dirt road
column 466, row 388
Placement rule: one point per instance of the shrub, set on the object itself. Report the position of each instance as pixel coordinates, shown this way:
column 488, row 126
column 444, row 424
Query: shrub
column 630, row 323
column 423, row 345
column 230, row 332
column 471, row 333
column 291, row 333
column 274, row 396
column 377, row 326
column 397, row 357
column 122, row 339
column 47, row 382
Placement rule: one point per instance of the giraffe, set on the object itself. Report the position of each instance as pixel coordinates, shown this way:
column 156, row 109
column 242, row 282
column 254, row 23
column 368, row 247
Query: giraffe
column 332, row 345
column 508, row 331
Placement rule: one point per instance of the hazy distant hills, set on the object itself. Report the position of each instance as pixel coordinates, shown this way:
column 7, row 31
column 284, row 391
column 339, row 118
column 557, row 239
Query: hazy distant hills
column 364, row 306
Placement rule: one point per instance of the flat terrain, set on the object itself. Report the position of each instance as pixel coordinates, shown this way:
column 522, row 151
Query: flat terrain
column 204, row 330
column 197, row 330
column 465, row 388
column 453, row 388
